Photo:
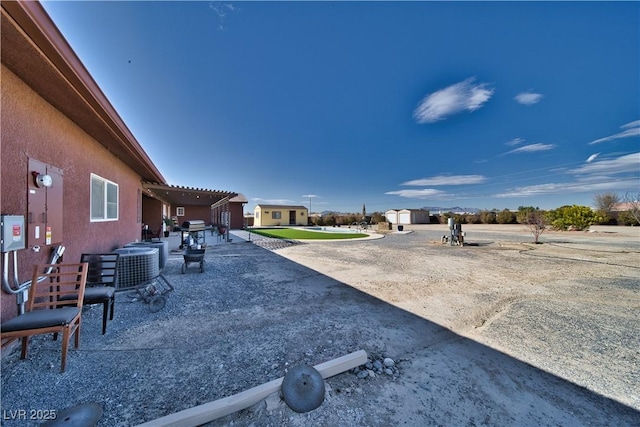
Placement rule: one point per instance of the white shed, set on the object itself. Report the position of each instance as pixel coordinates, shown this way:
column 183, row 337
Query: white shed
column 404, row 216
column 407, row 216
column 392, row 216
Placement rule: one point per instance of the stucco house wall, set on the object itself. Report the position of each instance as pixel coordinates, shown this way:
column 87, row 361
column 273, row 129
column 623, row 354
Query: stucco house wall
column 234, row 210
column 51, row 112
column 264, row 215
column 192, row 213
column 32, row 128
column 152, row 213
column 236, row 207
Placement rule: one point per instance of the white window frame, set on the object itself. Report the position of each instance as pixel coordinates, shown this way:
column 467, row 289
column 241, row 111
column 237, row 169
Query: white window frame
column 106, row 205
column 180, row 211
column 276, row 215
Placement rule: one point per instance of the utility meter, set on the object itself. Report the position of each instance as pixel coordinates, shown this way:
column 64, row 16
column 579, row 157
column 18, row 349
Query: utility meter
column 43, row 180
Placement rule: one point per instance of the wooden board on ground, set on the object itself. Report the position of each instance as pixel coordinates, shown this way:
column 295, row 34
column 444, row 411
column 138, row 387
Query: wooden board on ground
column 201, row 414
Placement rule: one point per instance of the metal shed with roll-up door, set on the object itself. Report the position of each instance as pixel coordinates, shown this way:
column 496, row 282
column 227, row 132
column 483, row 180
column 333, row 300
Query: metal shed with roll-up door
column 407, row 216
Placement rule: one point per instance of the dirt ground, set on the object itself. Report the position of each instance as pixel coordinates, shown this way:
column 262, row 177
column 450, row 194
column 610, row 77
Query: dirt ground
column 498, row 332
column 569, row 306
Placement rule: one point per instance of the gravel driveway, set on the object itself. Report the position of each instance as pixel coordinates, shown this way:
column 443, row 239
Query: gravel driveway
column 501, row 332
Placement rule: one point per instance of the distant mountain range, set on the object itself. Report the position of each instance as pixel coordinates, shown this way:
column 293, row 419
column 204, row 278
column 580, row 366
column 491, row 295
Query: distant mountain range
column 455, row 209
column 433, row 210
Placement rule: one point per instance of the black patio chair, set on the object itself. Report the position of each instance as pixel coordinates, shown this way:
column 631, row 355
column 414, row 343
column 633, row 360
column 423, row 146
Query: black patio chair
column 102, row 280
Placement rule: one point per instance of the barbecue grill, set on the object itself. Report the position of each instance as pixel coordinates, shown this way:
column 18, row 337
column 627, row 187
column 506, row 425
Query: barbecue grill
column 193, row 233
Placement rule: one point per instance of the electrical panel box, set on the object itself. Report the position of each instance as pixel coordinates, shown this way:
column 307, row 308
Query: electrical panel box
column 44, row 212
column 13, row 233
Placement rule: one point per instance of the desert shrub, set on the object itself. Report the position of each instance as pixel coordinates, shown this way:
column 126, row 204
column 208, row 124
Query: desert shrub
column 460, row 219
column 473, row 219
column 536, row 221
column 377, row 217
column 575, row 217
column 444, row 217
column 627, row 218
column 487, row 217
column 605, row 219
column 505, row 216
column 522, row 216
column 350, row 219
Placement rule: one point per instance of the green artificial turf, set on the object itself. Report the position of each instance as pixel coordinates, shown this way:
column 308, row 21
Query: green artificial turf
column 299, row 234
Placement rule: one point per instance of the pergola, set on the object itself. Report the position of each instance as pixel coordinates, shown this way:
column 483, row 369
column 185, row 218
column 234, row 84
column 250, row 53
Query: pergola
column 186, row 196
column 176, row 196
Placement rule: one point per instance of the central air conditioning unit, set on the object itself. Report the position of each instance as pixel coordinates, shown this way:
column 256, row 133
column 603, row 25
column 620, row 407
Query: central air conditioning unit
column 137, row 266
column 162, row 246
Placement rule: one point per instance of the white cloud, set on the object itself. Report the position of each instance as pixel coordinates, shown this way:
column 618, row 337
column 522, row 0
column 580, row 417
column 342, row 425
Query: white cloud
column 532, row 148
column 592, row 157
column 514, row 141
column 448, row 180
column 532, row 190
column 633, row 124
column 563, row 188
column 623, row 164
column 528, row 98
column 595, row 176
column 425, row 193
column 453, row 99
column 259, row 201
column 630, row 130
column 222, row 10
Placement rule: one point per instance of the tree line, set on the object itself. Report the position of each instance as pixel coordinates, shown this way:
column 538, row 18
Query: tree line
column 568, row 217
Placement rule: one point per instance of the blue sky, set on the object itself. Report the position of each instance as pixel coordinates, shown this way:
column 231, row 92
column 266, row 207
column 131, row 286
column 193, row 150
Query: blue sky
column 387, row 104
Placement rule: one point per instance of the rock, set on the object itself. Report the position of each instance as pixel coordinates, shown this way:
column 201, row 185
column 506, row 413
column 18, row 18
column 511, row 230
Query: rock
column 389, row 362
column 363, row 374
column 377, row 365
column 388, row 371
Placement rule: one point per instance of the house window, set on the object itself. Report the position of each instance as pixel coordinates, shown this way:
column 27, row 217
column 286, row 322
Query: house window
column 104, row 199
column 257, row 214
column 276, row 215
column 180, row 211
